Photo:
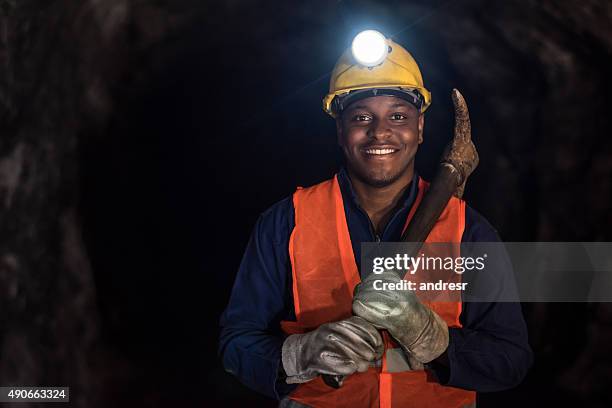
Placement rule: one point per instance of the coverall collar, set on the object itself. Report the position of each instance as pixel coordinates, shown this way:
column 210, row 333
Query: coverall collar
column 395, row 225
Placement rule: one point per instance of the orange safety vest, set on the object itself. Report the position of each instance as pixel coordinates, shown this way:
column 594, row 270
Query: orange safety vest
column 324, row 276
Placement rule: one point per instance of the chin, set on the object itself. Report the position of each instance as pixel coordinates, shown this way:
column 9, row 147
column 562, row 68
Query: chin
column 376, row 179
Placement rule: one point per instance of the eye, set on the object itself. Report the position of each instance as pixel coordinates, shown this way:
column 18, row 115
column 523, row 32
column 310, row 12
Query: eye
column 398, row 116
column 361, row 117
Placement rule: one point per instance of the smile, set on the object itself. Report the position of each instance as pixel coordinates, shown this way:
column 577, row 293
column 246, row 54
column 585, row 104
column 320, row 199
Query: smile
column 380, row 152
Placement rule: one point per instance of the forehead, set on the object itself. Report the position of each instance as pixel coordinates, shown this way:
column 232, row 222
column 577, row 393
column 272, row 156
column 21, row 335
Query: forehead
column 380, row 103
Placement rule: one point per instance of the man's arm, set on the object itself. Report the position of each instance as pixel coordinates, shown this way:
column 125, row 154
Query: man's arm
column 250, row 342
column 491, row 351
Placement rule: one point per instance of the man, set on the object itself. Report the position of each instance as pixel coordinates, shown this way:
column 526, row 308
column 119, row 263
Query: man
column 289, row 326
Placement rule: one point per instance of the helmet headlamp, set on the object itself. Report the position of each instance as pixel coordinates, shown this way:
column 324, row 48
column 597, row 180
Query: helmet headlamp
column 369, row 48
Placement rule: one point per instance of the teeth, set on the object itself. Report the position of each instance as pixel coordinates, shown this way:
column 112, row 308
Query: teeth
column 380, row 151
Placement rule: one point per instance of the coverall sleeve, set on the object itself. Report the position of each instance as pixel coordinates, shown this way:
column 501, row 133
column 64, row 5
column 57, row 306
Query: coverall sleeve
column 250, row 340
column 490, row 352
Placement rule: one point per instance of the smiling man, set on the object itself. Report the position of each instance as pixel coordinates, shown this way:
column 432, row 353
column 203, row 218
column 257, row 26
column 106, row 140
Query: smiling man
column 289, row 326
column 379, row 137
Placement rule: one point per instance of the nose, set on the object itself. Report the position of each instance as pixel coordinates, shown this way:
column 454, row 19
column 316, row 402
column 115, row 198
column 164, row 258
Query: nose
column 379, row 129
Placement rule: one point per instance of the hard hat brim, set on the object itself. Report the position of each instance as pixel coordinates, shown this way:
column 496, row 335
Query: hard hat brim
column 412, row 96
column 328, row 100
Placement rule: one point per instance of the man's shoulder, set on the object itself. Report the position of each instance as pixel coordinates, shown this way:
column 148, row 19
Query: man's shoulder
column 478, row 228
column 278, row 210
column 279, row 218
column 277, row 221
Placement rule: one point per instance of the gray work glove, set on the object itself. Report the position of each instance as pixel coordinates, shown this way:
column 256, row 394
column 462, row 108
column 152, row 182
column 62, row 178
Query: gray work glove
column 419, row 330
column 339, row 349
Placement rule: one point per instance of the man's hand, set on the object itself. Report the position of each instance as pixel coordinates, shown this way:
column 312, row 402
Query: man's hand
column 419, row 330
column 338, row 349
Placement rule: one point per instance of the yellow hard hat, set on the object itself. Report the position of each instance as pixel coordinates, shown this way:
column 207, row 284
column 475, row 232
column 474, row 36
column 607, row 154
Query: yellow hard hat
column 397, row 75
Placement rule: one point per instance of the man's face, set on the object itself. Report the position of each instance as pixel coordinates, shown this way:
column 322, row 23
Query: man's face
column 380, row 136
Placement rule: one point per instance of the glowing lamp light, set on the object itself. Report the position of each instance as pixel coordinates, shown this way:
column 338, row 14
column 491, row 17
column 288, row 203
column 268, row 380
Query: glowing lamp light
column 369, row 48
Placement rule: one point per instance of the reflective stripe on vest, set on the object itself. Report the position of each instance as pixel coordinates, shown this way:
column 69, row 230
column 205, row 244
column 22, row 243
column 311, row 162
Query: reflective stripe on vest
column 324, row 276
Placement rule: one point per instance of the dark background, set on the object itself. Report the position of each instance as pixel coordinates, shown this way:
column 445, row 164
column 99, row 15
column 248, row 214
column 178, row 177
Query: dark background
column 141, row 139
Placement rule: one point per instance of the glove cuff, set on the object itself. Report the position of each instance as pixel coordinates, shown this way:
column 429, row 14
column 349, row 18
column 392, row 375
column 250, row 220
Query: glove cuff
column 431, row 342
column 290, row 355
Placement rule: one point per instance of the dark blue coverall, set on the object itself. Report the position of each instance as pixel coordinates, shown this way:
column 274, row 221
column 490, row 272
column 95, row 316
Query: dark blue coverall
column 489, row 353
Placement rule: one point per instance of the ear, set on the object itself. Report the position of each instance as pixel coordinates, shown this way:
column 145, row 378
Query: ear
column 421, row 126
column 339, row 137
